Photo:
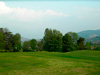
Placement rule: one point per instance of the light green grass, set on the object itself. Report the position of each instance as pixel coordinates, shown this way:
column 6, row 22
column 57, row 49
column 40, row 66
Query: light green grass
column 50, row 63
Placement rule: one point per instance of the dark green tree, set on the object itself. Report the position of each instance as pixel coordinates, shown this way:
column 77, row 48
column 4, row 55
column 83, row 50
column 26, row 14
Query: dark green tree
column 74, row 36
column 10, row 42
column 97, row 48
column 16, row 42
column 8, row 37
column 2, row 42
column 26, row 46
column 47, row 39
column 67, row 43
column 53, row 40
column 1, row 30
column 33, row 44
column 80, row 43
column 40, row 45
column 88, row 46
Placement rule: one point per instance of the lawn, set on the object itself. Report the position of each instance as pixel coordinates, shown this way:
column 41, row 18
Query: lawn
column 50, row 63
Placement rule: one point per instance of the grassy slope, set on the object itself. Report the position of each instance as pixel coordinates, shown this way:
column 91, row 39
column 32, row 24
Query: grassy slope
column 50, row 63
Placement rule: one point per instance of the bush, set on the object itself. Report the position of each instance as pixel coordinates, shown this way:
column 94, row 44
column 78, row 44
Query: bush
column 98, row 49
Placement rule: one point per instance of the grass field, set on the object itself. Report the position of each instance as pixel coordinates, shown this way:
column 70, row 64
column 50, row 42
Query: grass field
column 50, row 63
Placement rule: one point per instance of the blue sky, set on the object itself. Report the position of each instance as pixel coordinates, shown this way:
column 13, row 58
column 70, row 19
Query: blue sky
column 30, row 18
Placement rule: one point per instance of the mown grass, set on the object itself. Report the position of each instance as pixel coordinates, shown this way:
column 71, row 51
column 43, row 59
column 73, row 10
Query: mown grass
column 50, row 63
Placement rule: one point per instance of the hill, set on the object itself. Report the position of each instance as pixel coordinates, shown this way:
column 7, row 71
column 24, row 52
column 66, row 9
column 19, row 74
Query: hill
column 90, row 35
column 93, row 39
column 24, row 39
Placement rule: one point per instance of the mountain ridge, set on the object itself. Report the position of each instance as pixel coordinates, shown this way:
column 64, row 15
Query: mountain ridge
column 90, row 35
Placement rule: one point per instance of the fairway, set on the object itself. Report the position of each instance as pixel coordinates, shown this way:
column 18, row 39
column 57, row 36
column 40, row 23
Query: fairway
column 50, row 63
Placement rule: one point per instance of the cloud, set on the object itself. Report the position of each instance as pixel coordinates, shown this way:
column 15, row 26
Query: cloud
column 4, row 9
column 26, row 14
column 51, row 12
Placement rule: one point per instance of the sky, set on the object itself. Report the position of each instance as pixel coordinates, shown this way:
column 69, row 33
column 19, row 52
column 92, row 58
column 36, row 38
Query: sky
column 31, row 18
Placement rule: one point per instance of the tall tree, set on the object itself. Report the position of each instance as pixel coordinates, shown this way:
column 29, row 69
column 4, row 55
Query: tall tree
column 80, row 43
column 67, row 43
column 33, row 44
column 2, row 42
column 53, row 40
column 74, row 36
column 8, row 39
column 47, row 38
column 17, row 42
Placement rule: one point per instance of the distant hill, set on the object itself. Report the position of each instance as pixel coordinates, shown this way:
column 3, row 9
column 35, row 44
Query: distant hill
column 24, row 39
column 94, row 39
column 90, row 35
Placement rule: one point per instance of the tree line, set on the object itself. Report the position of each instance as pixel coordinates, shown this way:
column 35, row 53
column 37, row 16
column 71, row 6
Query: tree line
column 53, row 40
column 9, row 41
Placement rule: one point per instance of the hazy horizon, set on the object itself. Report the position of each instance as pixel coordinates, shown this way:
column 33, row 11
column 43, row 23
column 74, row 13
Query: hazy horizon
column 31, row 18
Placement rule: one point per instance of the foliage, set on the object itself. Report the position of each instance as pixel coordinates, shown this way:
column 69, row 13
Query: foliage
column 1, row 30
column 80, row 43
column 74, row 36
column 26, row 47
column 40, row 45
column 9, row 42
column 53, row 40
column 97, row 48
column 33, row 44
column 2, row 42
column 88, row 46
column 67, row 43
column 17, row 42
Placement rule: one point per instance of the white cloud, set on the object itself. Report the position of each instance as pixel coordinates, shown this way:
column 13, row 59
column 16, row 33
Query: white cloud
column 4, row 9
column 26, row 14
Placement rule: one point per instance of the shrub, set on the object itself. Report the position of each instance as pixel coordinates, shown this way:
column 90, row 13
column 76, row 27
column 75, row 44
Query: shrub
column 98, row 49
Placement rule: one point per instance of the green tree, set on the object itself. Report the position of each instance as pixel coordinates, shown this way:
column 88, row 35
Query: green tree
column 1, row 30
column 67, row 43
column 17, row 42
column 47, row 39
column 80, row 43
column 33, row 44
column 97, row 48
column 74, row 36
column 53, row 40
column 26, row 46
column 2, row 42
column 88, row 46
column 40, row 45
column 8, row 40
